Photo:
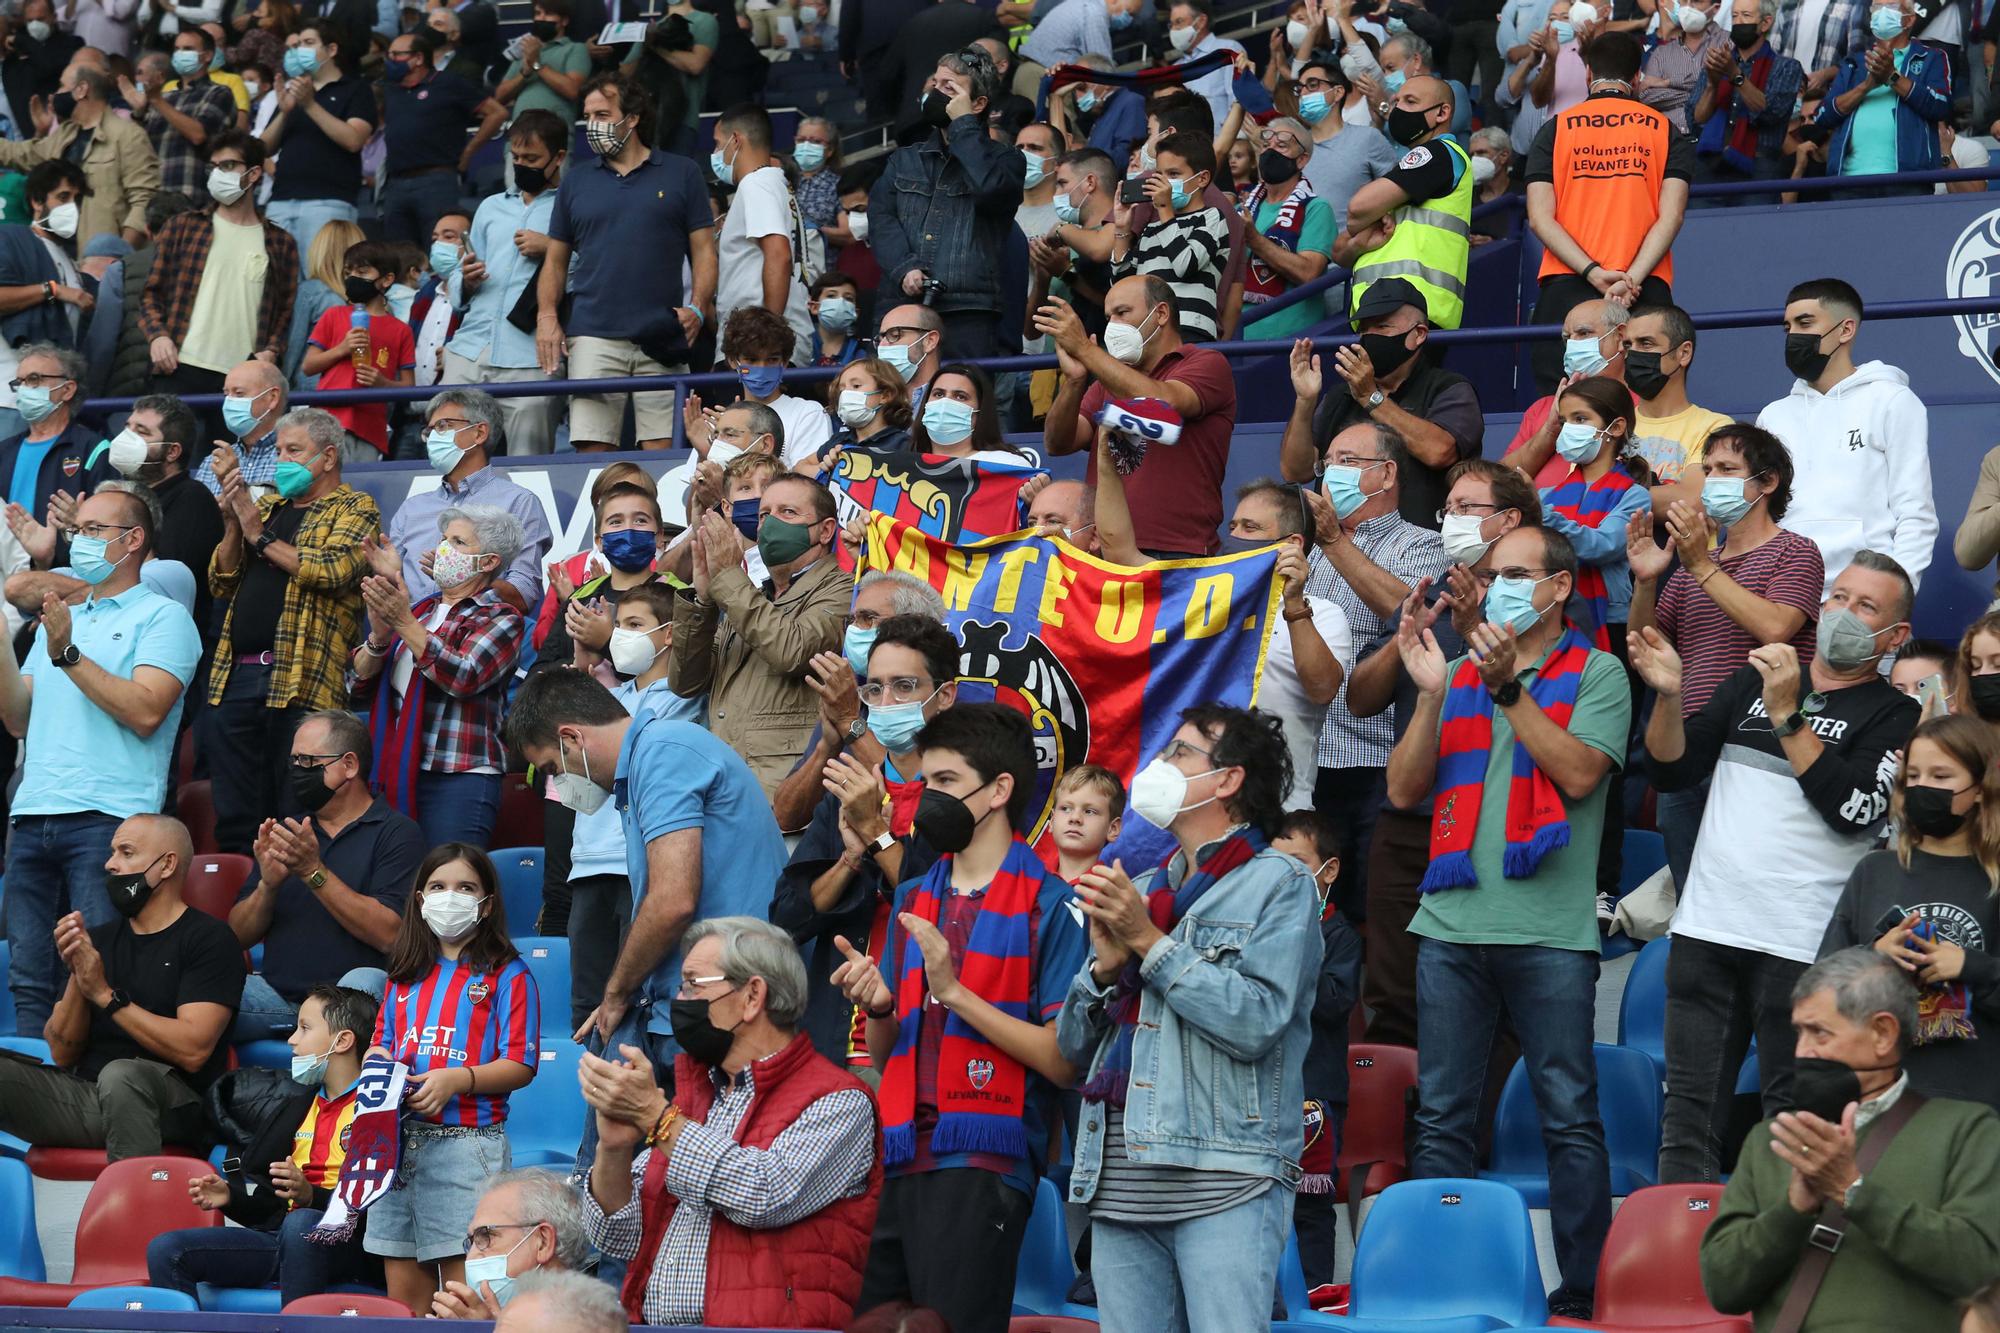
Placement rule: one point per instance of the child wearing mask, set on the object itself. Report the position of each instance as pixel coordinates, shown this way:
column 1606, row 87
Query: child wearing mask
column 1186, row 244
column 834, row 302
column 360, row 345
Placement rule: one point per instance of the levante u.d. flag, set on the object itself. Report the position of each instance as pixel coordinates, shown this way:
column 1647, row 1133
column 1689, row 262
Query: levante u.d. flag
column 955, row 499
column 1101, row 658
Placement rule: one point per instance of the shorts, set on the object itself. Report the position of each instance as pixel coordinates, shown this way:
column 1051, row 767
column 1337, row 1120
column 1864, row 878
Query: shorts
column 599, row 418
column 446, row 1167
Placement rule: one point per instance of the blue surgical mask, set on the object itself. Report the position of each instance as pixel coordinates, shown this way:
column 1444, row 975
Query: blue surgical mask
column 186, row 62
column 899, row 358
column 1396, row 26
column 238, row 414
column 1583, row 356
column 809, row 156
column 301, row 61
column 1180, row 194
column 1343, row 490
column 1511, row 602
column 1313, row 108
column 491, row 1269
column 1393, row 81
column 857, row 643
column 1120, row 22
column 444, row 257
column 947, row 421
column 1579, row 442
column 1885, row 22
column 1067, row 213
column 33, row 403
column 86, row 557
column 441, row 447
column 1038, row 170
column 1724, row 499
column 719, row 165
column 760, row 381
column 1087, row 102
column 1565, row 32
column 897, row 725
column 743, row 513
column 309, row 1070
column 836, row 313
column 629, row 549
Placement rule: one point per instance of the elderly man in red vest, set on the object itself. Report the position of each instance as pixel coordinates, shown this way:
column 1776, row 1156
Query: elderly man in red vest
column 747, row 1201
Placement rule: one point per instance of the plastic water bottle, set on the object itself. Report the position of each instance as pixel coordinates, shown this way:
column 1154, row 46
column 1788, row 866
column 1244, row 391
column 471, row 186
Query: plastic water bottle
column 360, row 321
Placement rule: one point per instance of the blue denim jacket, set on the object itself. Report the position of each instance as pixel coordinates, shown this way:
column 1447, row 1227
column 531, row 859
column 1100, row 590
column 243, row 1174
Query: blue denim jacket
column 1219, row 1055
column 945, row 205
column 1917, row 115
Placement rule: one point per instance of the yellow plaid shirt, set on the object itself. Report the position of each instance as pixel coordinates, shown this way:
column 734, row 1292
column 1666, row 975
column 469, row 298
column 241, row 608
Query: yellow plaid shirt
column 321, row 620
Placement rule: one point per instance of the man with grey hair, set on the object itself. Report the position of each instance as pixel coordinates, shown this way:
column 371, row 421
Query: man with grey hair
column 1868, row 1206
column 528, row 1221
column 1593, row 344
column 553, row 1302
column 289, row 570
column 1291, row 231
column 56, row 461
column 1755, row 88
column 762, row 1173
column 463, row 436
column 1415, row 58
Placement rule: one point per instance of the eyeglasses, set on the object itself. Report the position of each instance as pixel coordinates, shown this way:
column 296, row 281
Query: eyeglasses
column 1486, row 576
column 973, row 55
column 901, row 690
column 452, row 424
column 481, row 1238
column 102, row 531
column 1283, row 143
column 1315, row 84
column 1357, row 460
column 1178, row 750
column 1461, row 508
column 37, row 382
column 305, row 761
column 899, row 334
column 689, row 985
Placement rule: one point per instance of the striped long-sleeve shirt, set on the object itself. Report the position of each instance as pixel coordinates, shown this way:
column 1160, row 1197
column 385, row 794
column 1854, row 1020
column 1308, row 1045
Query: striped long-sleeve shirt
column 1188, row 252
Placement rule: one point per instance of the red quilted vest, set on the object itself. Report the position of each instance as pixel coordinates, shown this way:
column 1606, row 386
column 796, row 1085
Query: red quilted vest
column 806, row 1275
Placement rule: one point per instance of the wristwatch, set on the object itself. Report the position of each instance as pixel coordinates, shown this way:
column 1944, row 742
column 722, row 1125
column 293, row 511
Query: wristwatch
column 1847, row 1195
column 1375, row 400
column 317, row 880
column 883, row 842
column 1790, row 726
column 263, row 542
column 855, row 730
column 68, row 657
column 1507, row 695
column 119, row 999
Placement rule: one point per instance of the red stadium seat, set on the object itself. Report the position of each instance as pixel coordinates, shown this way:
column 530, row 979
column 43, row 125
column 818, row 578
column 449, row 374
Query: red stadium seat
column 520, row 821
column 1050, row 1323
column 1649, row 1277
column 214, row 881
column 350, row 1305
column 1379, row 1080
column 87, row 1163
column 194, row 805
column 131, row 1202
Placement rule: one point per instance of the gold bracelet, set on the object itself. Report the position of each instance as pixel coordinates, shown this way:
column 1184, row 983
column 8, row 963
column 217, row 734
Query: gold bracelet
column 668, row 1119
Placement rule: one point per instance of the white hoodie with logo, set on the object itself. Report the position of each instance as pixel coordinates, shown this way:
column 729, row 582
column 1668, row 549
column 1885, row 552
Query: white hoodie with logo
column 1861, row 468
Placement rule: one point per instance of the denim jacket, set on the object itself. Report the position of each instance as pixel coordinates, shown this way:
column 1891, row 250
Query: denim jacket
column 945, row 205
column 1224, row 1019
column 1917, row 115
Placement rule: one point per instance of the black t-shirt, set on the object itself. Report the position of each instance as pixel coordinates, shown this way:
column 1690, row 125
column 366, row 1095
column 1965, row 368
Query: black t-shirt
column 1426, row 171
column 376, row 856
column 190, row 530
column 260, row 597
column 425, row 126
column 315, row 166
column 1542, row 153
column 1444, row 398
column 195, row 960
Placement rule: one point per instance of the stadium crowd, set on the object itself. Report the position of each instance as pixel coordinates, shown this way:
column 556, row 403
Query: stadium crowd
column 844, row 1003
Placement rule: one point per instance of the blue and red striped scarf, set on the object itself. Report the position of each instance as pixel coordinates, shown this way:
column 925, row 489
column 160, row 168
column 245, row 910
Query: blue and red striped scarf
column 1589, row 503
column 1736, row 137
column 1537, row 823
column 396, row 727
column 1166, row 905
column 1260, row 282
column 981, row 1090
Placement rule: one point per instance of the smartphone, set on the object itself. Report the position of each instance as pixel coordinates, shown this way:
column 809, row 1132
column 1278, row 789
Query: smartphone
column 1931, row 692
column 1133, row 191
column 1889, row 920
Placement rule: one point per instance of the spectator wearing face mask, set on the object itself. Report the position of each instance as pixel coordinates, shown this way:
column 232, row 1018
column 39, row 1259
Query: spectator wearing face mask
column 758, row 345
column 1412, row 224
column 1292, row 229
column 182, row 122
column 1191, row 33
column 528, row 1224
column 1760, row 586
column 1743, row 102
column 549, row 73
column 873, row 410
column 833, row 302
column 1684, row 36
column 909, row 341
column 425, row 125
column 325, row 116
column 361, row 345
column 762, row 247
column 1344, row 157
column 41, row 255
column 816, row 154
column 1066, row 33
column 1072, row 258
column 254, row 398
column 1795, row 800
column 1185, row 243
column 116, row 158
column 960, row 420
column 1886, row 102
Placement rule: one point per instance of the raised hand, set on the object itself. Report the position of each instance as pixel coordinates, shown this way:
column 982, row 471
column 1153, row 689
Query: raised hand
column 1649, row 560
column 1657, row 663
column 1306, row 377
column 860, row 980
column 1417, row 644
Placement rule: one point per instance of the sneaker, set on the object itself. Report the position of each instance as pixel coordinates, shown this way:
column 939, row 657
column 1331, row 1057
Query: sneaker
column 1607, row 910
column 1572, row 1302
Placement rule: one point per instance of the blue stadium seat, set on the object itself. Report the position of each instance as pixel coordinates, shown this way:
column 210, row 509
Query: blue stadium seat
column 545, row 1119
column 520, row 887
column 1042, row 1277
column 267, row 1054
column 1628, row 1101
column 133, row 1298
column 8, row 1025
column 1644, row 853
column 34, row 1046
column 547, row 957
column 239, row 1300
column 1642, row 1011
column 20, row 1243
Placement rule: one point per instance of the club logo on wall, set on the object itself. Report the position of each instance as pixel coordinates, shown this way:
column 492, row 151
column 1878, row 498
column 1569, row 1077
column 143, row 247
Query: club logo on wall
column 1972, row 270
column 1032, row 680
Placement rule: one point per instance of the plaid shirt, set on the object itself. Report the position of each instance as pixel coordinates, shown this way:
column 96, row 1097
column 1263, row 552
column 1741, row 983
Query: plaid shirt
column 321, row 620
column 467, row 663
column 181, row 259
column 1408, row 552
column 1781, row 96
column 183, row 166
column 822, row 1156
column 1841, row 30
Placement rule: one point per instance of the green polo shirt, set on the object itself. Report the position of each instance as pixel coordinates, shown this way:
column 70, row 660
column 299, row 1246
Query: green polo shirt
column 563, row 56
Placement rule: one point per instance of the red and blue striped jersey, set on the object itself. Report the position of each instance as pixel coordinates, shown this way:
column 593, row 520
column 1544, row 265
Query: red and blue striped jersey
column 457, row 1017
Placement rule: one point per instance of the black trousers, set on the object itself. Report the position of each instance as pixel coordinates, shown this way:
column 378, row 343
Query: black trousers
column 249, row 747
column 600, row 911
column 1352, row 796
column 1560, row 294
column 949, row 1240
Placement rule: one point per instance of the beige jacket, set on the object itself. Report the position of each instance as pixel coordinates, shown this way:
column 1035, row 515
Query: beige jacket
column 120, row 164
column 750, row 654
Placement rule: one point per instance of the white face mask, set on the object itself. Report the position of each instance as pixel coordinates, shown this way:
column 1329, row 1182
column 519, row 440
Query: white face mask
column 1460, row 533
column 128, row 452
column 576, row 790
column 1159, row 793
column 1125, row 342
column 857, row 223
column 1483, row 170
column 632, row 650
column 854, row 410
column 226, row 186
column 451, row 915
column 61, row 221
column 1295, row 34
column 1182, row 38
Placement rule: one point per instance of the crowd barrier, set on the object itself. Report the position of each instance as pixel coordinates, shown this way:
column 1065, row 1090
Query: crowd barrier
column 165, row 1321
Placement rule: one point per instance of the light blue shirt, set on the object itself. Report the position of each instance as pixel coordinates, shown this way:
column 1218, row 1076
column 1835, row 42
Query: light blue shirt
column 598, row 845
column 79, row 757
column 1217, row 87
column 676, row 775
column 1520, row 20
column 414, row 529
column 484, row 327
column 1072, row 29
column 169, row 578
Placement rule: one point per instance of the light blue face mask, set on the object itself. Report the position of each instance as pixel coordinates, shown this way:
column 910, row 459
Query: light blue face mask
column 444, row 258
column 1885, row 22
column 86, row 557
column 1395, row 25
column 856, row 644
column 1179, row 194
column 1038, row 170
column 491, row 1269
column 441, row 447
column 761, row 381
column 1313, row 108
column 1583, row 356
column 1393, row 81
column 1067, row 213
column 897, row 725
column 1579, row 442
column 238, row 414
column 1343, row 490
column 719, row 166
column 1724, row 500
column 186, row 62
column 899, row 359
column 33, row 403
column 1087, row 102
column 1511, row 602
column 1565, row 31
column 309, row 1070
column 837, row 313
column 947, row 421
column 810, row 156
column 301, row 61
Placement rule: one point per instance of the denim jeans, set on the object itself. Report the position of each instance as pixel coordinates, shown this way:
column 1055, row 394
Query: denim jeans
column 1548, row 995
column 55, row 865
column 241, row 1257
column 631, row 1031
column 460, row 807
column 1189, row 1277
column 304, row 217
column 411, row 205
column 1678, row 815
column 1717, row 996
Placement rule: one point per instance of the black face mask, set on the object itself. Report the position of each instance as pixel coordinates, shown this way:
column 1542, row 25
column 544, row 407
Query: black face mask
column 309, row 789
column 935, row 114
column 1405, row 126
column 1643, row 374
column 542, row 30
column 1386, row 351
column 1986, row 697
column 946, row 822
column 1745, row 35
column 704, row 1042
column 1803, row 356
column 1928, row 809
column 530, row 180
column 1826, row 1087
column 360, row 291
column 64, row 105
column 129, row 893
column 1230, row 544
column 1273, row 166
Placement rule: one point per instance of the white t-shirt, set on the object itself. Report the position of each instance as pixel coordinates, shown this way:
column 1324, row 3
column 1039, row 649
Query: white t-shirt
column 1282, row 694
column 763, row 206
column 432, row 335
column 807, row 426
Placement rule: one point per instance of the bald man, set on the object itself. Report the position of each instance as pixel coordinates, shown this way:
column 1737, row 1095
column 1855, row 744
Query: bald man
column 254, row 396
column 1415, row 222
column 1063, row 509
column 137, row 1036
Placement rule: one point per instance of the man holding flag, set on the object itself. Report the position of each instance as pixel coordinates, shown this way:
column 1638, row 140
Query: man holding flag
column 1518, row 738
